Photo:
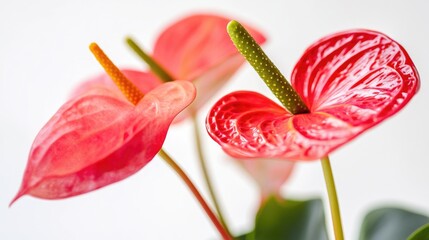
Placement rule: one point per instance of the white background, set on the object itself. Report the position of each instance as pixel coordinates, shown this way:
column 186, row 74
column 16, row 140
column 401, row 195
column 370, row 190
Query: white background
column 43, row 54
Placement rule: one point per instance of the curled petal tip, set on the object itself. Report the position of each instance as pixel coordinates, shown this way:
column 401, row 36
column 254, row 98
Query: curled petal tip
column 188, row 87
column 21, row 193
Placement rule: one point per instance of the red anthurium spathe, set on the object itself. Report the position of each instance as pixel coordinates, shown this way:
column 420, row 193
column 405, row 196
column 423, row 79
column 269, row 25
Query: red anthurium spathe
column 99, row 137
column 350, row 81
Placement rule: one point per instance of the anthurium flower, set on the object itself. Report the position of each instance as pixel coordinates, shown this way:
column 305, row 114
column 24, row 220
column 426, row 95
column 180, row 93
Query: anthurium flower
column 101, row 136
column 349, row 81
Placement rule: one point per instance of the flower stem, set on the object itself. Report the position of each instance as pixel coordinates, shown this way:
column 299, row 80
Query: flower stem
column 206, row 173
column 166, row 77
column 333, row 199
column 152, row 63
column 194, row 190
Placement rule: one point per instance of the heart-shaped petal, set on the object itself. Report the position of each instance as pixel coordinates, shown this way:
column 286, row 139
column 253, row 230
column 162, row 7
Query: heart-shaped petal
column 359, row 76
column 350, row 81
column 97, row 139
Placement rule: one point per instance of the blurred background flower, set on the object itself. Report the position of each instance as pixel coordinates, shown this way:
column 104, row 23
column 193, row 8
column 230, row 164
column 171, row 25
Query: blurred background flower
column 268, row 174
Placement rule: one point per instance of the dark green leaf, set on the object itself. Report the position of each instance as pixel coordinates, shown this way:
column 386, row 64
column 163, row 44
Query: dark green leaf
column 420, row 234
column 390, row 224
column 289, row 220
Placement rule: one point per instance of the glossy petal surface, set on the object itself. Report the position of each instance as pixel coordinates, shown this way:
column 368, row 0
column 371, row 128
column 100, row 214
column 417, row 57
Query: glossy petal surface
column 350, row 81
column 98, row 138
column 359, row 76
column 198, row 48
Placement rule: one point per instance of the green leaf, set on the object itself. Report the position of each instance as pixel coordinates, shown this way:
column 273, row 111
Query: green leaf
column 390, row 224
column 289, row 220
column 420, row 234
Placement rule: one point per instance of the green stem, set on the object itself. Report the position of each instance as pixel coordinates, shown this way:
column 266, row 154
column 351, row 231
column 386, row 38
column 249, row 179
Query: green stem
column 166, row 77
column 154, row 65
column 224, row 233
column 206, row 174
column 333, row 199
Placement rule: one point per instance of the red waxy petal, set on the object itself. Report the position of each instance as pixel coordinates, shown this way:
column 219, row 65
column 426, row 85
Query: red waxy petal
column 198, row 49
column 249, row 125
column 97, row 139
column 360, row 76
column 350, row 81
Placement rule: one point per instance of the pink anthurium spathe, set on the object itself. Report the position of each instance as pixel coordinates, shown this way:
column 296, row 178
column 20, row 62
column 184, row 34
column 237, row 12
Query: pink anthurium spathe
column 99, row 137
column 350, row 81
column 197, row 48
